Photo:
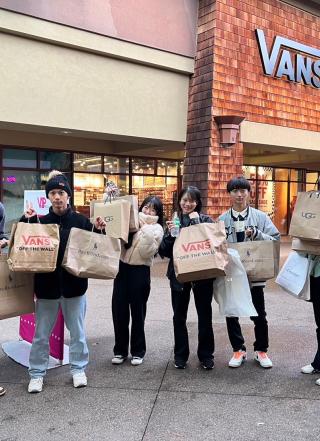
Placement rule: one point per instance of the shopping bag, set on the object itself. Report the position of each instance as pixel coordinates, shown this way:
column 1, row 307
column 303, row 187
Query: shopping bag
column 16, row 291
column 294, row 276
column 260, row 258
column 134, row 212
column 91, row 255
column 200, row 252
column 33, row 247
column 306, row 216
column 232, row 292
column 117, row 216
column 306, row 246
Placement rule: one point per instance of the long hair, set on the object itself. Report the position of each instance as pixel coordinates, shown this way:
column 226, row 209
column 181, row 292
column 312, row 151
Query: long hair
column 194, row 194
column 155, row 203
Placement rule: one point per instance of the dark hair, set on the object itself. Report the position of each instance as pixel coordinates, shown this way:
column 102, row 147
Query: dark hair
column 156, row 204
column 238, row 183
column 194, row 194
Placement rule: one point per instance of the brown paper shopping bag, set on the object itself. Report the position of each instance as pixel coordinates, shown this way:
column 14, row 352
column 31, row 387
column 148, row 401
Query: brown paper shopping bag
column 16, row 291
column 200, row 252
column 305, row 219
column 260, row 258
column 33, row 247
column 134, row 212
column 306, row 246
column 117, row 216
column 91, row 255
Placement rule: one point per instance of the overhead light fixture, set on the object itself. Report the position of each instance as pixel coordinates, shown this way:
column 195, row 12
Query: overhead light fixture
column 229, row 126
column 160, row 150
column 66, row 132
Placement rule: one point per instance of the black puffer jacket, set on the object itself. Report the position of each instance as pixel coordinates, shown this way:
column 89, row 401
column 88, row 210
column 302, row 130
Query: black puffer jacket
column 60, row 282
column 166, row 248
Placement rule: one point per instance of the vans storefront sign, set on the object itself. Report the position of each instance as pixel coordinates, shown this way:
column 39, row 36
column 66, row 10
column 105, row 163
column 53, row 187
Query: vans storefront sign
column 290, row 59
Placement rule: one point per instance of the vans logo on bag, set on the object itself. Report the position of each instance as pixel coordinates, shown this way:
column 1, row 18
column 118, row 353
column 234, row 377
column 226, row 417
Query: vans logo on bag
column 309, row 215
column 197, row 246
column 36, row 240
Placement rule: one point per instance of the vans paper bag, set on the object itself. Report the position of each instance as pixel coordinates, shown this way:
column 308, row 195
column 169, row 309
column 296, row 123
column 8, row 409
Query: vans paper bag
column 200, row 252
column 33, row 247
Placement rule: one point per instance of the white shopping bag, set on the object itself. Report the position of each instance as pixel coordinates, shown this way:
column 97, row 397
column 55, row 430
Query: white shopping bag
column 232, row 292
column 294, row 276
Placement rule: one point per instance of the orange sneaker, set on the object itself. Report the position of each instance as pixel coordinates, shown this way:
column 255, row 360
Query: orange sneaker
column 238, row 358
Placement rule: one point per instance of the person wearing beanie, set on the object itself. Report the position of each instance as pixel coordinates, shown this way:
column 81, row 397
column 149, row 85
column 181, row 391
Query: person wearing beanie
column 60, row 288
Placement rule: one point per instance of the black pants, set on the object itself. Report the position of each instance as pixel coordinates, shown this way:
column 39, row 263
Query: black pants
column 260, row 325
column 315, row 298
column 131, row 290
column 203, row 291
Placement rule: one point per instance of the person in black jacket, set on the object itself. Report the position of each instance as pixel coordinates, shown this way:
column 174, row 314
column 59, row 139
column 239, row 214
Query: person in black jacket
column 3, row 243
column 188, row 210
column 60, row 288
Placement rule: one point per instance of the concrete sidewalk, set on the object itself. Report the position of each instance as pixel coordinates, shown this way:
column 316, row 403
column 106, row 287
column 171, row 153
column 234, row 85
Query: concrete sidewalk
column 155, row 401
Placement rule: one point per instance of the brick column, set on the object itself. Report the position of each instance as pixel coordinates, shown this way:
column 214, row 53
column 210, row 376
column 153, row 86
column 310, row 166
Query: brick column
column 207, row 165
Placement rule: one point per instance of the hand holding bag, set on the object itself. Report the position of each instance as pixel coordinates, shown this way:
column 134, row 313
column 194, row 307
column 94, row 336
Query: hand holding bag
column 232, row 292
column 91, row 255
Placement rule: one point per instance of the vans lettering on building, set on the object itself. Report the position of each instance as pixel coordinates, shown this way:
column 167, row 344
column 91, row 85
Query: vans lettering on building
column 284, row 61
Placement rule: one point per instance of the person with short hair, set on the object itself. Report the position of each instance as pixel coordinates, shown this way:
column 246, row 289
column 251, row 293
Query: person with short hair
column 60, row 288
column 245, row 223
column 189, row 207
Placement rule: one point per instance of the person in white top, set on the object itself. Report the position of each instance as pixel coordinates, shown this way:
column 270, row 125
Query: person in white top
column 131, row 287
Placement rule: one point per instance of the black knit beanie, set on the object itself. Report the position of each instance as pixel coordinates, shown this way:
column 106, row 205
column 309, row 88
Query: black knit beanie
column 58, row 182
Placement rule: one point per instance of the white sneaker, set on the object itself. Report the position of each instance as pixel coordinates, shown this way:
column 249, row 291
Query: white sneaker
column 263, row 359
column 308, row 369
column 80, row 380
column 136, row 361
column 238, row 358
column 318, row 382
column 35, row 385
column 118, row 359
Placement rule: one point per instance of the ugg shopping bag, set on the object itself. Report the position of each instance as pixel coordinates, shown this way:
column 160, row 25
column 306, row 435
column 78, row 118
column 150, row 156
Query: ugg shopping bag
column 33, row 247
column 117, row 216
column 305, row 219
column 200, row 252
column 294, row 276
column 306, row 246
column 16, row 291
column 232, row 292
column 260, row 258
column 91, row 255
column 134, row 212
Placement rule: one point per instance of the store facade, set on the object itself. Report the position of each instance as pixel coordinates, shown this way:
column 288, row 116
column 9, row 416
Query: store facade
column 103, row 101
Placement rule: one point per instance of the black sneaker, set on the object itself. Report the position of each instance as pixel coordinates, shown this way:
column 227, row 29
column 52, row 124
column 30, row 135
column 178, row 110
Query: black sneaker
column 180, row 364
column 208, row 363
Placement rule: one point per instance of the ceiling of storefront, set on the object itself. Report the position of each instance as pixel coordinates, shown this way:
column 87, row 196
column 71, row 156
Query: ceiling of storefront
column 281, row 156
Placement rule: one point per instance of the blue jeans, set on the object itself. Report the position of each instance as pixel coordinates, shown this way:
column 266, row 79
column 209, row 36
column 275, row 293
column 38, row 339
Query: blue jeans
column 74, row 310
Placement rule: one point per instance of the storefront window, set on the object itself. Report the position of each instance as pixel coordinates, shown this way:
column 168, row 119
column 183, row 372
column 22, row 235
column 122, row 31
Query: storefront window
column 55, row 160
column 113, row 165
column 87, row 187
column 14, row 184
column 18, row 158
column 143, row 166
column 265, row 173
column 295, row 175
column 89, row 163
column 164, row 188
column 167, row 168
column 281, row 174
column 249, row 171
